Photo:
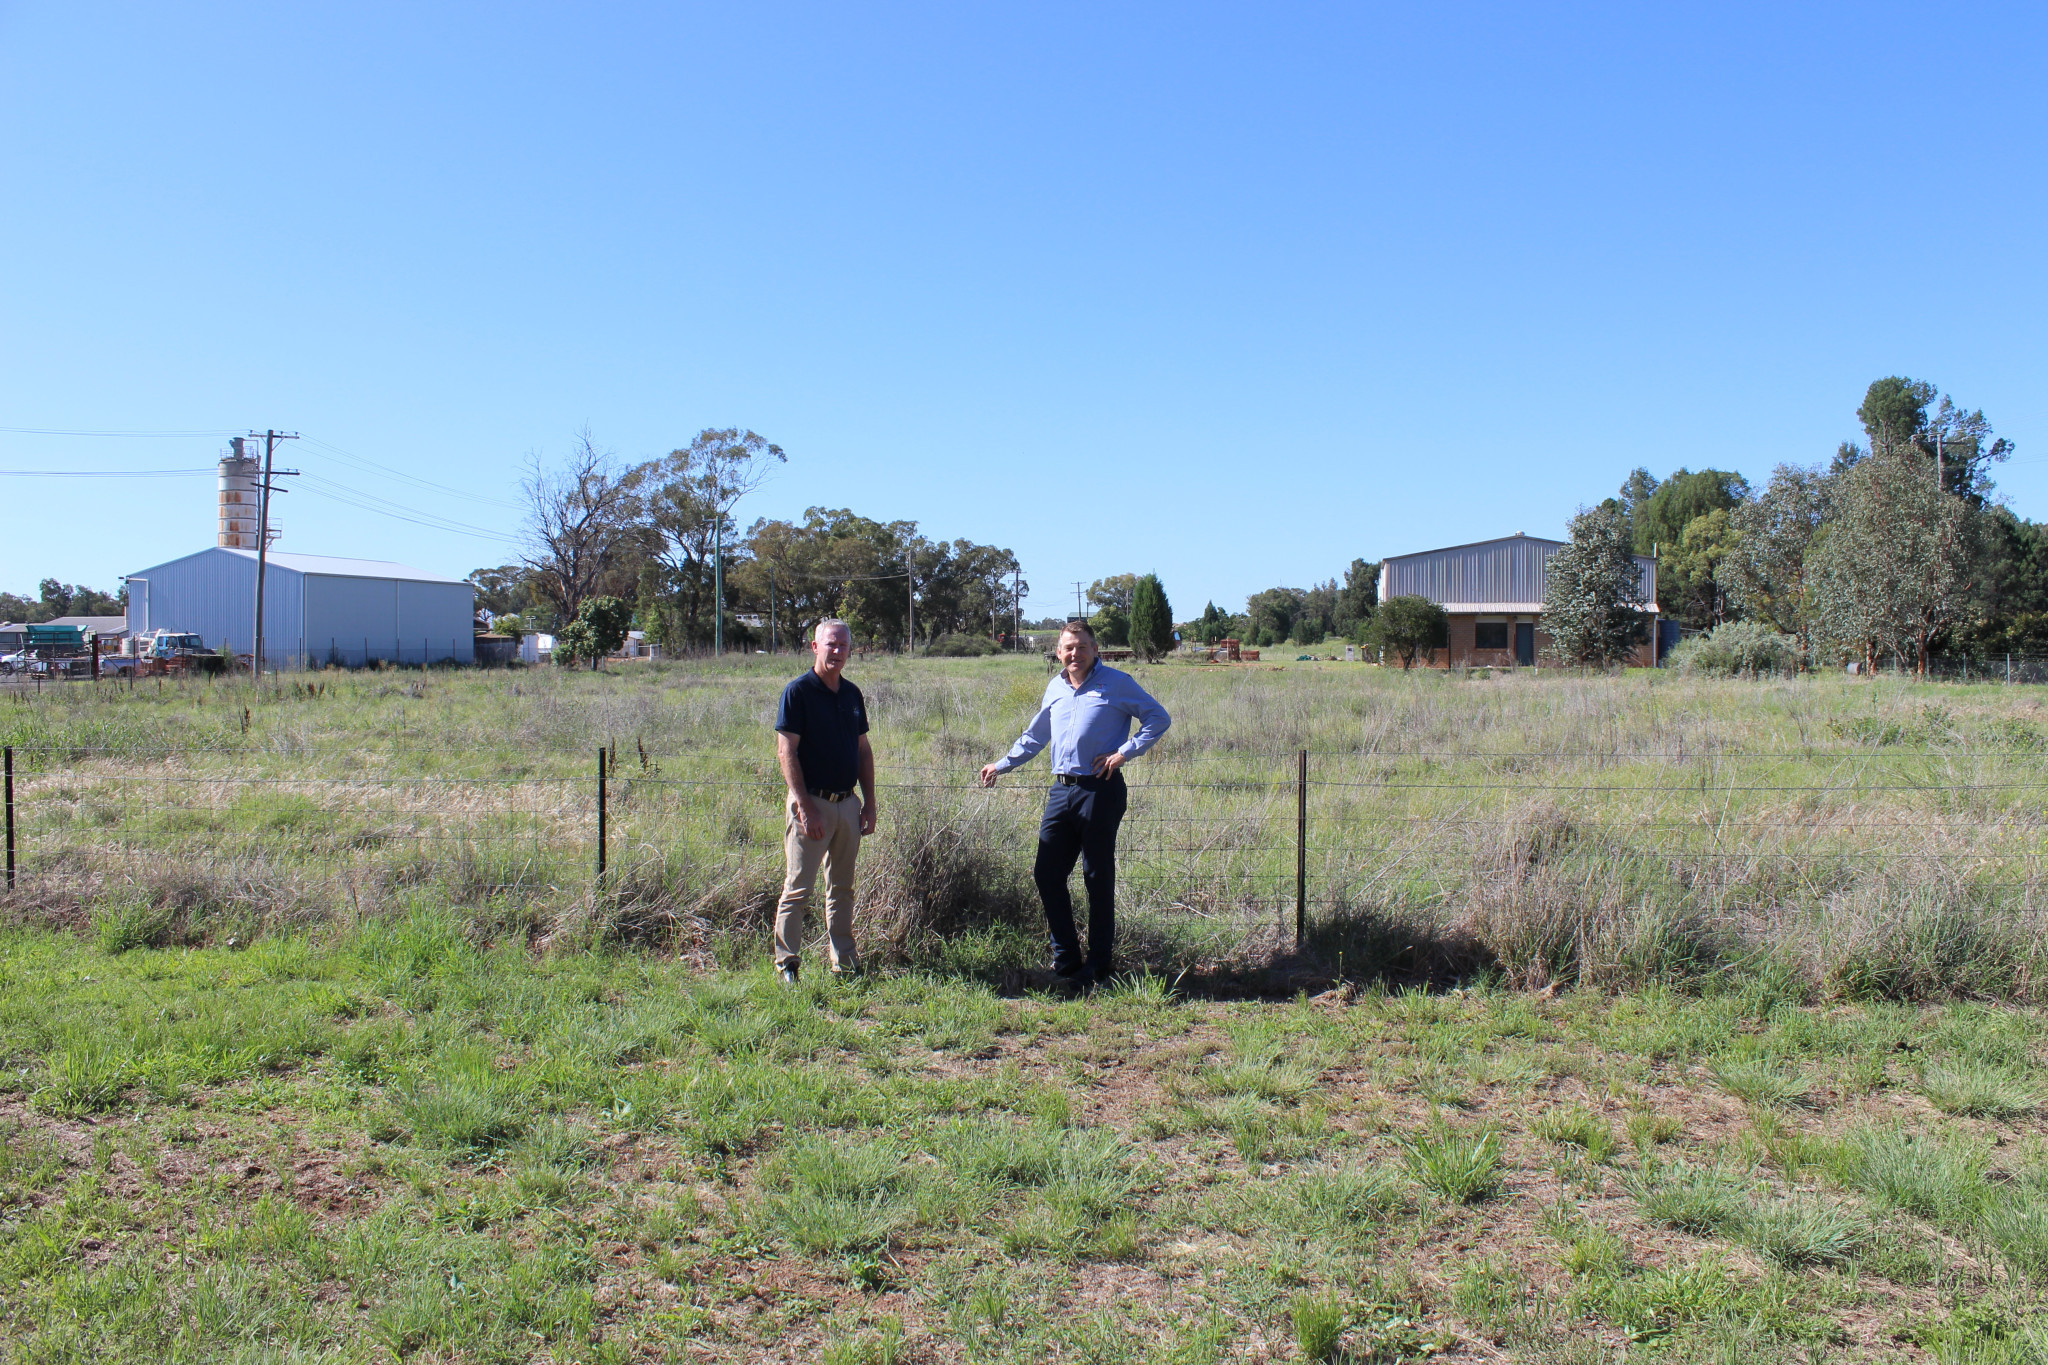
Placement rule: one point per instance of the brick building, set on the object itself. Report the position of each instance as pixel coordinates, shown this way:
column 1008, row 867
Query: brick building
column 1493, row 591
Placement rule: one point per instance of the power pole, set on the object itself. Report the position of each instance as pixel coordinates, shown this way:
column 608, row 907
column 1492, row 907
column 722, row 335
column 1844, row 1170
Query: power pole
column 771, row 607
column 910, row 603
column 1079, row 615
column 1016, row 607
column 270, row 440
column 718, row 585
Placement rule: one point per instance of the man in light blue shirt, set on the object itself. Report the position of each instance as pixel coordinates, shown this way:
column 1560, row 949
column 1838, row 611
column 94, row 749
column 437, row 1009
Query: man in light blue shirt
column 1086, row 716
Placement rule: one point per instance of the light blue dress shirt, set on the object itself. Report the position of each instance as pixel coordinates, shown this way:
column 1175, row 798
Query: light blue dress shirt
column 1084, row 723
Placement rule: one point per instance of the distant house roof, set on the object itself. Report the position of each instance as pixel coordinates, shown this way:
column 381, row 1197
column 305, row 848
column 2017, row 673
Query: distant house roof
column 103, row 625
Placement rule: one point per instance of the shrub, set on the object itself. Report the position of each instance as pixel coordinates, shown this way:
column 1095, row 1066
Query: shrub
column 1737, row 649
column 959, row 646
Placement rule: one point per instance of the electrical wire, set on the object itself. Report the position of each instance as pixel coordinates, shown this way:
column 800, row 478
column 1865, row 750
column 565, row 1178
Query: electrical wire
column 327, row 488
column 365, row 463
column 143, row 435
column 103, row 473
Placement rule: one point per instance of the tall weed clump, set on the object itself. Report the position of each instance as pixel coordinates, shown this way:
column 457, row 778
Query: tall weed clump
column 943, row 866
column 1919, row 935
column 1552, row 903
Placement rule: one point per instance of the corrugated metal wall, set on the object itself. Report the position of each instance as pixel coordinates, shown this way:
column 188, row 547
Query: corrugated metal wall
column 351, row 620
column 1500, row 571
column 213, row 595
column 308, row 618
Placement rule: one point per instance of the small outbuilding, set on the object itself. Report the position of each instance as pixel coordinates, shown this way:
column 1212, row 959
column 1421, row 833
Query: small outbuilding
column 1493, row 591
column 317, row 609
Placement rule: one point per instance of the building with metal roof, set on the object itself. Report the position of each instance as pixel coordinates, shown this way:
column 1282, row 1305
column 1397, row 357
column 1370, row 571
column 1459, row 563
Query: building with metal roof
column 1493, row 591
column 317, row 609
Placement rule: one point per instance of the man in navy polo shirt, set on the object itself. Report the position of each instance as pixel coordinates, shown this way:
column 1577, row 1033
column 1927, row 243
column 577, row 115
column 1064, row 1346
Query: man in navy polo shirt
column 1085, row 714
column 821, row 743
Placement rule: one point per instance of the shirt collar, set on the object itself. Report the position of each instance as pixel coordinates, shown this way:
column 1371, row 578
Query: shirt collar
column 1092, row 670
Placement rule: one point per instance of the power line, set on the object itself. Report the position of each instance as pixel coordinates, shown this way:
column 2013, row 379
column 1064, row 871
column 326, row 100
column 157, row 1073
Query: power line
column 367, row 464
column 349, row 497
column 143, row 435
column 402, row 509
column 103, row 473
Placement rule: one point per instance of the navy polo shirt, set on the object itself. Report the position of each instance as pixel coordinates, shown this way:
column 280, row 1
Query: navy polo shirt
column 828, row 726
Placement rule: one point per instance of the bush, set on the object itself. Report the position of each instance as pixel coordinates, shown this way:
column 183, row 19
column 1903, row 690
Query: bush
column 958, row 646
column 1737, row 649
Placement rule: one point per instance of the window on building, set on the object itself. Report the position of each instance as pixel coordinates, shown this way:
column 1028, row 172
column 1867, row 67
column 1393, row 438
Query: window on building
column 1490, row 635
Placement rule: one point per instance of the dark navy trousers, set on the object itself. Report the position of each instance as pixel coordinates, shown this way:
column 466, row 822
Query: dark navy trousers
column 1081, row 822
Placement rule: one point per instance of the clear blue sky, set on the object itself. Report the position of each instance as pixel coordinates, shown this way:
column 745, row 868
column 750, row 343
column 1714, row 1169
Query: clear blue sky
column 1234, row 294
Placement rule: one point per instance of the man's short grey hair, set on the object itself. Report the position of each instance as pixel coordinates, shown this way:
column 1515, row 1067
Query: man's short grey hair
column 827, row 624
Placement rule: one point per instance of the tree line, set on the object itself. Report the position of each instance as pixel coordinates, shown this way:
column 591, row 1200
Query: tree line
column 1895, row 551
column 662, row 535
column 54, row 599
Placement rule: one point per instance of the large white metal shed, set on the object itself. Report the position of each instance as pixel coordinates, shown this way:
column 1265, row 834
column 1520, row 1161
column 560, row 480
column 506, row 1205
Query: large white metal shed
column 317, row 609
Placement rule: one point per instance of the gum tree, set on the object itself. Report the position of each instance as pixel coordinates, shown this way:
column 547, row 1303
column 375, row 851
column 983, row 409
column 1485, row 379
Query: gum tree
column 1593, row 603
column 1891, row 569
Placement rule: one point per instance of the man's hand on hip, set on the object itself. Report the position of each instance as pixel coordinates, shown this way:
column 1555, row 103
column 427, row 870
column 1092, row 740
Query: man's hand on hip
column 807, row 818
column 1107, row 765
column 869, row 817
column 990, row 773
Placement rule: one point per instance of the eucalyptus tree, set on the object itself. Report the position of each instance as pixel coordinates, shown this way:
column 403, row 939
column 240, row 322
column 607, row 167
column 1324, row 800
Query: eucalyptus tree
column 1764, row 570
column 582, row 527
column 1891, row 569
column 686, row 499
column 1593, row 602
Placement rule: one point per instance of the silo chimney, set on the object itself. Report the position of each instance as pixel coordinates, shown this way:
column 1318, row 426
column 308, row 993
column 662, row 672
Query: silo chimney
column 241, row 479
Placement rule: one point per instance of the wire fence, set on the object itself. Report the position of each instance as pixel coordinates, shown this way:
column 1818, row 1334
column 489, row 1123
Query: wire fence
column 1258, row 841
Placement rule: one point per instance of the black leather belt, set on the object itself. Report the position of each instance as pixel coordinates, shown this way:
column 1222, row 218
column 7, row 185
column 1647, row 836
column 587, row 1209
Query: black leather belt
column 1084, row 779
column 824, row 795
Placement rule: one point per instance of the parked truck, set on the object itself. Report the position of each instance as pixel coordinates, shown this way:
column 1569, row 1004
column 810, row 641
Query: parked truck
column 163, row 652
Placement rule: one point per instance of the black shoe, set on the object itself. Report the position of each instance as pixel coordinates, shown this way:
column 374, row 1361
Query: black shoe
column 1067, row 969
column 788, row 974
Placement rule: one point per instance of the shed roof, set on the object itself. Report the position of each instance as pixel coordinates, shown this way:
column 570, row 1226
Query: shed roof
column 103, row 625
column 1517, row 538
column 333, row 566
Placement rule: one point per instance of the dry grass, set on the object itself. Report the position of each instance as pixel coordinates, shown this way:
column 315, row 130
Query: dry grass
column 1877, row 839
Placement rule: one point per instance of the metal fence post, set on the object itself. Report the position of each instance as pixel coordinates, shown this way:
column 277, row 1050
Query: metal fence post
column 600, row 817
column 1301, row 850
column 10, row 817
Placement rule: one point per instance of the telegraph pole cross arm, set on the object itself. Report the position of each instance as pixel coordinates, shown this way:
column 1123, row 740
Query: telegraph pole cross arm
column 270, row 472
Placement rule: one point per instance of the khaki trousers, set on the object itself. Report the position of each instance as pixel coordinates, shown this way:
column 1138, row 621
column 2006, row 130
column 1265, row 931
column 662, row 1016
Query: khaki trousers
column 802, row 859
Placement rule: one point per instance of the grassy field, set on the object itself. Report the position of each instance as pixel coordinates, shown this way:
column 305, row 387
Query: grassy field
column 1638, row 1018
